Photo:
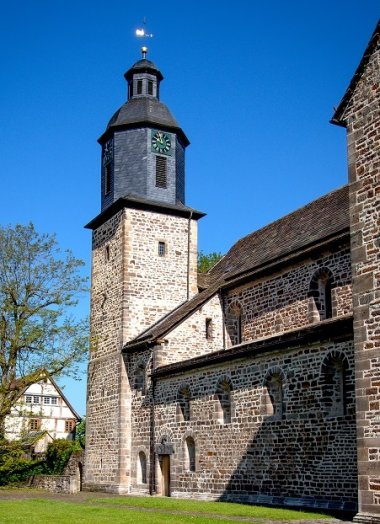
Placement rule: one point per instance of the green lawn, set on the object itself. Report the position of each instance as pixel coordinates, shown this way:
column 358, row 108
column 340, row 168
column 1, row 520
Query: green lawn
column 137, row 510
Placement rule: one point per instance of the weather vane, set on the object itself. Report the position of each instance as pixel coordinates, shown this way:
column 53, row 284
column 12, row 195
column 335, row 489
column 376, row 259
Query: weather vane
column 142, row 32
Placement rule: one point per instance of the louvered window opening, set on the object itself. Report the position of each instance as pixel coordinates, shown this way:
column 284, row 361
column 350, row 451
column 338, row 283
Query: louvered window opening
column 161, row 178
column 107, row 178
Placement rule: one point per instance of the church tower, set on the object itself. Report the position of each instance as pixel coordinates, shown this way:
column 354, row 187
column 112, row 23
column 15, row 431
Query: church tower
column 144, row 261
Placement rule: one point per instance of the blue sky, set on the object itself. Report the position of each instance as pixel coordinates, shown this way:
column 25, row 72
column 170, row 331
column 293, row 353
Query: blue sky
column 253, row 85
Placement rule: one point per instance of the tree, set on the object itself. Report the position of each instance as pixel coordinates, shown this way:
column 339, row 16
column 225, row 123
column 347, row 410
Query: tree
column 206, row 262
column 39, row 289
column 80, row 432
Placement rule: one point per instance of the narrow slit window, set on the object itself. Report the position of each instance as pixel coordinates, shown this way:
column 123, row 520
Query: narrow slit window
column 208, row 328
column 107, row 178
column 150, row 87
column 139, row 87
column 161, row 172
column 161, row 249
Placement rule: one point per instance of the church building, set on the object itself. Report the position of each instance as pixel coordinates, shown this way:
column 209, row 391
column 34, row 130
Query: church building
column 258, row 382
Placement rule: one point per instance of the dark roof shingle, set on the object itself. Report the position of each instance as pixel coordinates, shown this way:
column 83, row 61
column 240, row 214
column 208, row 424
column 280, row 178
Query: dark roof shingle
column 318, row 220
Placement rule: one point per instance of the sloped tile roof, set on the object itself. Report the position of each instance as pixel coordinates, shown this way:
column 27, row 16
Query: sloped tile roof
column 318, row 220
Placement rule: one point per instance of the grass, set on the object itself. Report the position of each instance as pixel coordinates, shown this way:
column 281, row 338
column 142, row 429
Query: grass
column 141, row 510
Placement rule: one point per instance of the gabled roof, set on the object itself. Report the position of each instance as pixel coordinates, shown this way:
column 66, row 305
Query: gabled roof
column 311, row 226
column 59, row 390
column 320, row 220
column 373, row 44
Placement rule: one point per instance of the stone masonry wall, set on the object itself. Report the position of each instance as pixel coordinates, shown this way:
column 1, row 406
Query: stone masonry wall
column 107, row 389
column 307, row 456
column 362, row 118
column 189, row 339
column 147, row 298
column 127, row 297
column 281, row 302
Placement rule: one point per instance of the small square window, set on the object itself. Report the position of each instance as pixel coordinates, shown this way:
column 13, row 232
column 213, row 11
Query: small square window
column 161, row 249
column 28, row 399
column 46, row 400
column 34, row 424
column 54, row 401
column 69, row 425
column 36, row 400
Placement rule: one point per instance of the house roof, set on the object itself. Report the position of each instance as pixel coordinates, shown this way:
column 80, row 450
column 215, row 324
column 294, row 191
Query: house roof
column 317, row 223
column 372, row 45
column 64, row 398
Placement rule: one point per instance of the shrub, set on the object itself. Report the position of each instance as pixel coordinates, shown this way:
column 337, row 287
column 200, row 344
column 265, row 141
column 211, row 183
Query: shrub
column 15, row 465
column 58, row 454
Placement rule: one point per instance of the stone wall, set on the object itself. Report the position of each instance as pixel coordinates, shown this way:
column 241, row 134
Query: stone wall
column 362, row 118
column 69, row 482
column 307, row 453
column 190, row 339
column 281, row 302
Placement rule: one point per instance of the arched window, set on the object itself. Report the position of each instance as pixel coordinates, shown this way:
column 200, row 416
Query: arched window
column 183, row 404
column 334, row 375
column 190, row 454
column 141, row 468
column 272, row 401
column 235, row 323
column 140, row 377
column 223, row 395
column 320, row 291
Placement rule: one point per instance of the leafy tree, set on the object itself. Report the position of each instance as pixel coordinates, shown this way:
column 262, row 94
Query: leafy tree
column 39, row 287
column 206, row 262
column 80, row 432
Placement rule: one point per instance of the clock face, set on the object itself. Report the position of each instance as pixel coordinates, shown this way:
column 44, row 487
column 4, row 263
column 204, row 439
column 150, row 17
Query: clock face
column 107, row 152
column 161, row 142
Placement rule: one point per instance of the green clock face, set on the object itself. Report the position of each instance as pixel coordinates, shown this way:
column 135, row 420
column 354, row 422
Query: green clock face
column 161, row 142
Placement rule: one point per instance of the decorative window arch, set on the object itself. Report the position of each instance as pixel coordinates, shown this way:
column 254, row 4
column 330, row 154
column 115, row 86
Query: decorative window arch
column 235, row 323
column 183, row 404
column 141, row 468
column 190, row 463
column 139, row 378
column 224, row 401
column 320, row 290
column 334, row 383
column 273, row 395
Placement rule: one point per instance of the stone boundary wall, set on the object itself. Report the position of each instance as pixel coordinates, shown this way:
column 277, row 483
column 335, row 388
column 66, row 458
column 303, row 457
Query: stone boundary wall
column 69, row 482
column 55, row 483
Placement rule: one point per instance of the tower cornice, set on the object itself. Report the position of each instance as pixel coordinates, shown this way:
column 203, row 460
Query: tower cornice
column 132, row 202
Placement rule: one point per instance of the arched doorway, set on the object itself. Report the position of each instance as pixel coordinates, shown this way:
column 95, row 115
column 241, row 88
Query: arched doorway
column 163, row 451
